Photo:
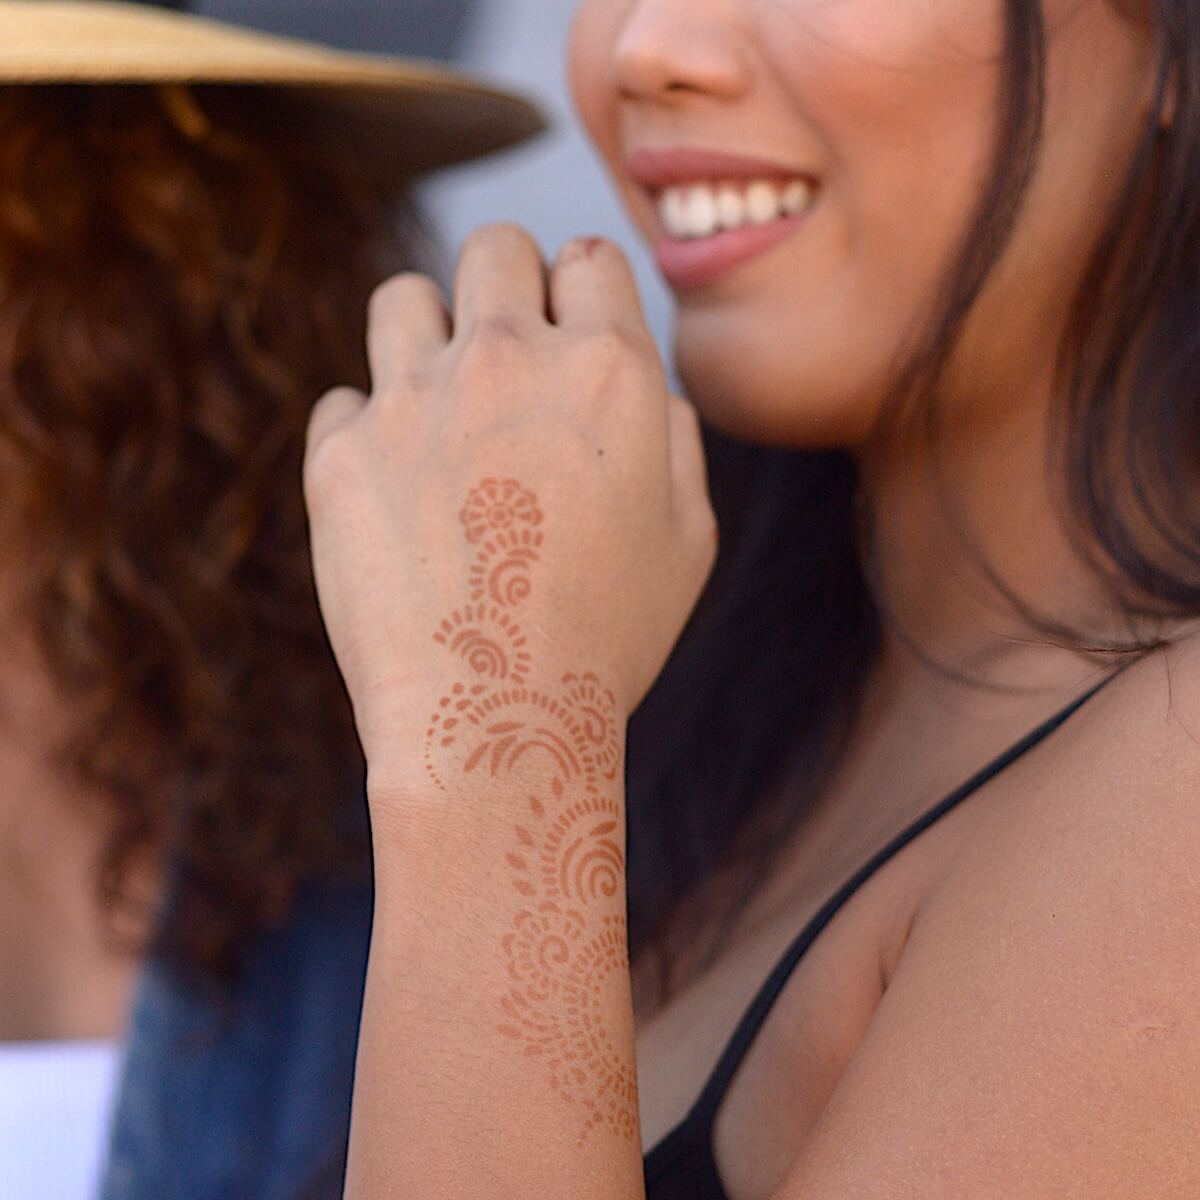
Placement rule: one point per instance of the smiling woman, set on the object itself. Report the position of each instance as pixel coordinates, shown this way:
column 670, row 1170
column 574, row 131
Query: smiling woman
column 910, row 821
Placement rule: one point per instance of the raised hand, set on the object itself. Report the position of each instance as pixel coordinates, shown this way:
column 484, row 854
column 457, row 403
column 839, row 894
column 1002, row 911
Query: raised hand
column 508, row 537
column 520, row 499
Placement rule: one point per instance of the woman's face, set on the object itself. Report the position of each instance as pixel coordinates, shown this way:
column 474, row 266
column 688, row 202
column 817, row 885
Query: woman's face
column 805, row 171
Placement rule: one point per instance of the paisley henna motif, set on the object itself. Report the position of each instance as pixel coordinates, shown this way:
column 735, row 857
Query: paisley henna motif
column 566, row 949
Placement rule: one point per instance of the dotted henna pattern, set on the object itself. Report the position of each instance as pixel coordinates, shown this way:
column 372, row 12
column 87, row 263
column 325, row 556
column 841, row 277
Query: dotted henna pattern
column 566, row 949
column 489, row 640
column 502, row 570
column 596, row 712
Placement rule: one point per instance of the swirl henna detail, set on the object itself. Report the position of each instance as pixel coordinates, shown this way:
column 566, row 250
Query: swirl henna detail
column 502, row 655
column 501, row 571
column 566, row 950
column 595, row 708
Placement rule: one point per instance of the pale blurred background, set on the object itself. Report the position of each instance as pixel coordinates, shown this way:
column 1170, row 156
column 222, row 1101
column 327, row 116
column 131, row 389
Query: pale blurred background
column 555, row 189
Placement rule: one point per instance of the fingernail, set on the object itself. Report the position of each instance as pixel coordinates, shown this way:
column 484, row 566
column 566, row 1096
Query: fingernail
column 582, row 247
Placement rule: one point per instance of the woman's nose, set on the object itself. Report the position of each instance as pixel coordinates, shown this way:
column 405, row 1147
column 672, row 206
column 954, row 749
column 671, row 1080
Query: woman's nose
column 669, row 49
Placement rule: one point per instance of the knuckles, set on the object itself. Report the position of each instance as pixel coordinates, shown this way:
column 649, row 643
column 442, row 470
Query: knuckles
column 495, row 350
column 394, row 297
column 607, row 362
column 333, row 465
column 614, row 367
column 499, row 234
column 613, row 345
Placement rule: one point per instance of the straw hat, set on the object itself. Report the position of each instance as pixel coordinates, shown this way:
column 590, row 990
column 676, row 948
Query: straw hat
column 420, row 111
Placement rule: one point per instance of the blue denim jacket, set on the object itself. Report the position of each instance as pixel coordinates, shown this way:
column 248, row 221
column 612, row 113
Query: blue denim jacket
column 250, row 1102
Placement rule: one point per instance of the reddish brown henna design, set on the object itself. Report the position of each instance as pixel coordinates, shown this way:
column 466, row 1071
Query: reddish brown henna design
column 504, row 656
column 502, row 570
column 498, row 728
column 568, row 970
column 539, row 948
column 596, row 707
column 559, row 1012
column 566, row 949
column 444, row 721
column 572, row 856
column 497, row 504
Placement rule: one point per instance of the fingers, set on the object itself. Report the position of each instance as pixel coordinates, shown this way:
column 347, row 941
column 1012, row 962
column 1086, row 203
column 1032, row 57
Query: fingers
column 406, row 325
column 334, row 409
column 501, row 278
column 592, row 284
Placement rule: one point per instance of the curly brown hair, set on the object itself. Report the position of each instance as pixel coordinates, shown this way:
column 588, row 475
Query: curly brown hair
column 182, row 273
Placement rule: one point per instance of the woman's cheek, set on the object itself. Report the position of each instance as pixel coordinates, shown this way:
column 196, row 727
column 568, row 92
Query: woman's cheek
column 589, row 72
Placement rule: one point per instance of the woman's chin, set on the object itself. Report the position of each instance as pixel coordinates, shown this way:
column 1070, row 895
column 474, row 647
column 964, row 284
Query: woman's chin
column 800, row 413
column 809, row 392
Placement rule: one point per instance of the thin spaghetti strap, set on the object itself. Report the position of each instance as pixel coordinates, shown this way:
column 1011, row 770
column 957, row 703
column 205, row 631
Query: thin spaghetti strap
column 703, row 1113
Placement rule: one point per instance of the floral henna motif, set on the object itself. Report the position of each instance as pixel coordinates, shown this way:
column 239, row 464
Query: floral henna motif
column 566, row 949
column 498, row 504
column 540, row 947
column 497, row 729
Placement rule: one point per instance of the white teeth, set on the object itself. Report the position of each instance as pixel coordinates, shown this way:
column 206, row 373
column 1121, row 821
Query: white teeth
column 673, row 209
column 762, row 203
column 796, row 196
column 700, row 210
column 731, row 208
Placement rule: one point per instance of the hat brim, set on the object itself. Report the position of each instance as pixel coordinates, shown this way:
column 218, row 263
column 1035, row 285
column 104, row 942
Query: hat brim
column 429, row 114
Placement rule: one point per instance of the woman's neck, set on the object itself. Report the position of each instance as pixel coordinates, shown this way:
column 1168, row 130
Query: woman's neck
column 973, row 567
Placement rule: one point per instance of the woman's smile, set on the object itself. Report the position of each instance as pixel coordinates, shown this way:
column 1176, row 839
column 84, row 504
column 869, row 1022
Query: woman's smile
column 817, row 168
column 716, row 210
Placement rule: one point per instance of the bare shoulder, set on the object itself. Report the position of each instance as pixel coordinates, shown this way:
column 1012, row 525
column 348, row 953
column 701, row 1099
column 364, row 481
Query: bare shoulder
column 1041, row 1034
column 1132, row 754
column 1102, row 827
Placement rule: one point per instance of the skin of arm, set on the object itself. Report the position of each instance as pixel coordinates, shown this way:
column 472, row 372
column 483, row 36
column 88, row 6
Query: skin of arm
column 497, row 1054
column 499, row 979
column 508, row 537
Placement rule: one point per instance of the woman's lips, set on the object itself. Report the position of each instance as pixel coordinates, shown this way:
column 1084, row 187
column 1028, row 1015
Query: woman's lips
column 699, row 262
column 694, row 247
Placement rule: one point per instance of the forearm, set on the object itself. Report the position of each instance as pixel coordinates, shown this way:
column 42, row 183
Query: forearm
column 497, row 1051
column 492, row 649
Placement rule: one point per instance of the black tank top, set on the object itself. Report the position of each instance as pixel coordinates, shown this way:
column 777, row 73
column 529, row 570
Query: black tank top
column 681, row 1166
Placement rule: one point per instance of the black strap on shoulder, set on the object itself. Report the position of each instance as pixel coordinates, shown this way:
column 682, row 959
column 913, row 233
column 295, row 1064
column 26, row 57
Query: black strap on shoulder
column 703, row 1112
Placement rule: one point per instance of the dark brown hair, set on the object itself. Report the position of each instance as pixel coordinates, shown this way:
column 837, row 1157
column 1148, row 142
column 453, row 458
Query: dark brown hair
column 738, row 737
column 182, row 274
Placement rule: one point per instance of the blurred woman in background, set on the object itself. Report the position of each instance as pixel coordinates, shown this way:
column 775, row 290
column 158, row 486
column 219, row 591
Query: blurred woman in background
column 182, row 269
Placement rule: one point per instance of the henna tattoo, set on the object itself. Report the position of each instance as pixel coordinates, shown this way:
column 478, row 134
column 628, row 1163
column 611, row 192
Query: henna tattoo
column 501, row 571
column 566, row 950
column 503, row 656
column 596, row 707
column 497, row 504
